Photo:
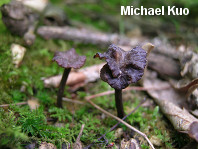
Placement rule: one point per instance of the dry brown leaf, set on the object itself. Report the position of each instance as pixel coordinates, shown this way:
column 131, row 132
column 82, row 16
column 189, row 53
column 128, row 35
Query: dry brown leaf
column 170, row 101
column 33, row 103
column 187, row 89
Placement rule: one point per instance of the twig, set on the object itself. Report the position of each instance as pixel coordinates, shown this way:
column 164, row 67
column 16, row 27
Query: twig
column 20, row 103
column 79, row 35
column 74, row 101
column 80, row 134
column 78, row 144
column 123, row 122
column 112, row 128
column 137, row 88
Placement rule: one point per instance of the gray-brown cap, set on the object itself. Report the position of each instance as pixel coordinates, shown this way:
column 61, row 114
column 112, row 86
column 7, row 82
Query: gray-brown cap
column 69, row 59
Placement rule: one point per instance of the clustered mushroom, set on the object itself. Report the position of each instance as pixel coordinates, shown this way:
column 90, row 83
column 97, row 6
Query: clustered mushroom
column 122, row 68
column 67, row 59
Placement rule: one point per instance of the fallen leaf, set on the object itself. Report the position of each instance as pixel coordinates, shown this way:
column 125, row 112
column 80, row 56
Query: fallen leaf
column 33, row 103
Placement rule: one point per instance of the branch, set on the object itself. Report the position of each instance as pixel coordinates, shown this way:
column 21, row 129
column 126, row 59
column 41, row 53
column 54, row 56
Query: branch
column 73, row 101
column 137, row 88
column 80, row 134
column 20, row 103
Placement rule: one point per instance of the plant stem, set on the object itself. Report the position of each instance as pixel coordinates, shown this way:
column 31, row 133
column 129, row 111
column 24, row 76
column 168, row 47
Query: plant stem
column 119, row 104
column 20, row 103
column 62, row 87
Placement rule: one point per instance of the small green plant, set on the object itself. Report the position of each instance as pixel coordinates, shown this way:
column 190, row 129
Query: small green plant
column 60, row 114
column 17, row 95
column 45, row 97
column 33, row 122
column 11, row 135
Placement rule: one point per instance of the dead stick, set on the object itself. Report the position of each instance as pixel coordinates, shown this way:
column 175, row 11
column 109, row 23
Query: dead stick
column 112, row 128
column 137, row 88
column 80, row 134
column 76, row 34
column 123, row 122
column 20, row 103
column 73, row 101
column 78, row 144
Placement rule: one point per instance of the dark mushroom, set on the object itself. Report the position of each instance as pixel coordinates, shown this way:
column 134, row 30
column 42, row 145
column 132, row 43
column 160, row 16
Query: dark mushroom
column 67, row 59
column 122, row 69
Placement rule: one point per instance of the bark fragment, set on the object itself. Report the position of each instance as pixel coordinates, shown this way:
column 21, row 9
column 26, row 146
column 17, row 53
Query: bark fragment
column 76, row 78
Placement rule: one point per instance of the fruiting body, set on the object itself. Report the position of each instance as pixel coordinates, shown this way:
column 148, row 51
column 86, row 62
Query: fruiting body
column 122, row 69
column 68, row 59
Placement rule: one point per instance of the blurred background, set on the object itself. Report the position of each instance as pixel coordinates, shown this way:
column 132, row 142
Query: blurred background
column 105, row 15
column 19, row 84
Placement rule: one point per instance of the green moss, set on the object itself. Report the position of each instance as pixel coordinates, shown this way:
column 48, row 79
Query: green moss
column 11, row 135
column 27, row 126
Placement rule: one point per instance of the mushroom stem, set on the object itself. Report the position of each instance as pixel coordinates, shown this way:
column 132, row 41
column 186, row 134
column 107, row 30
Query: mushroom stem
column 119, row 104
column 62, row 87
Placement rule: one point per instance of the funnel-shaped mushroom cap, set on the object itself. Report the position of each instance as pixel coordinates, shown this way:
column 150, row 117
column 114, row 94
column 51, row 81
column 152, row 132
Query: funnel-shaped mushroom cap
column 123, row 67
column 69, row 59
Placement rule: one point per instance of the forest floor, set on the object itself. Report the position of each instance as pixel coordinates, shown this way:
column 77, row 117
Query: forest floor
column 23, row 126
